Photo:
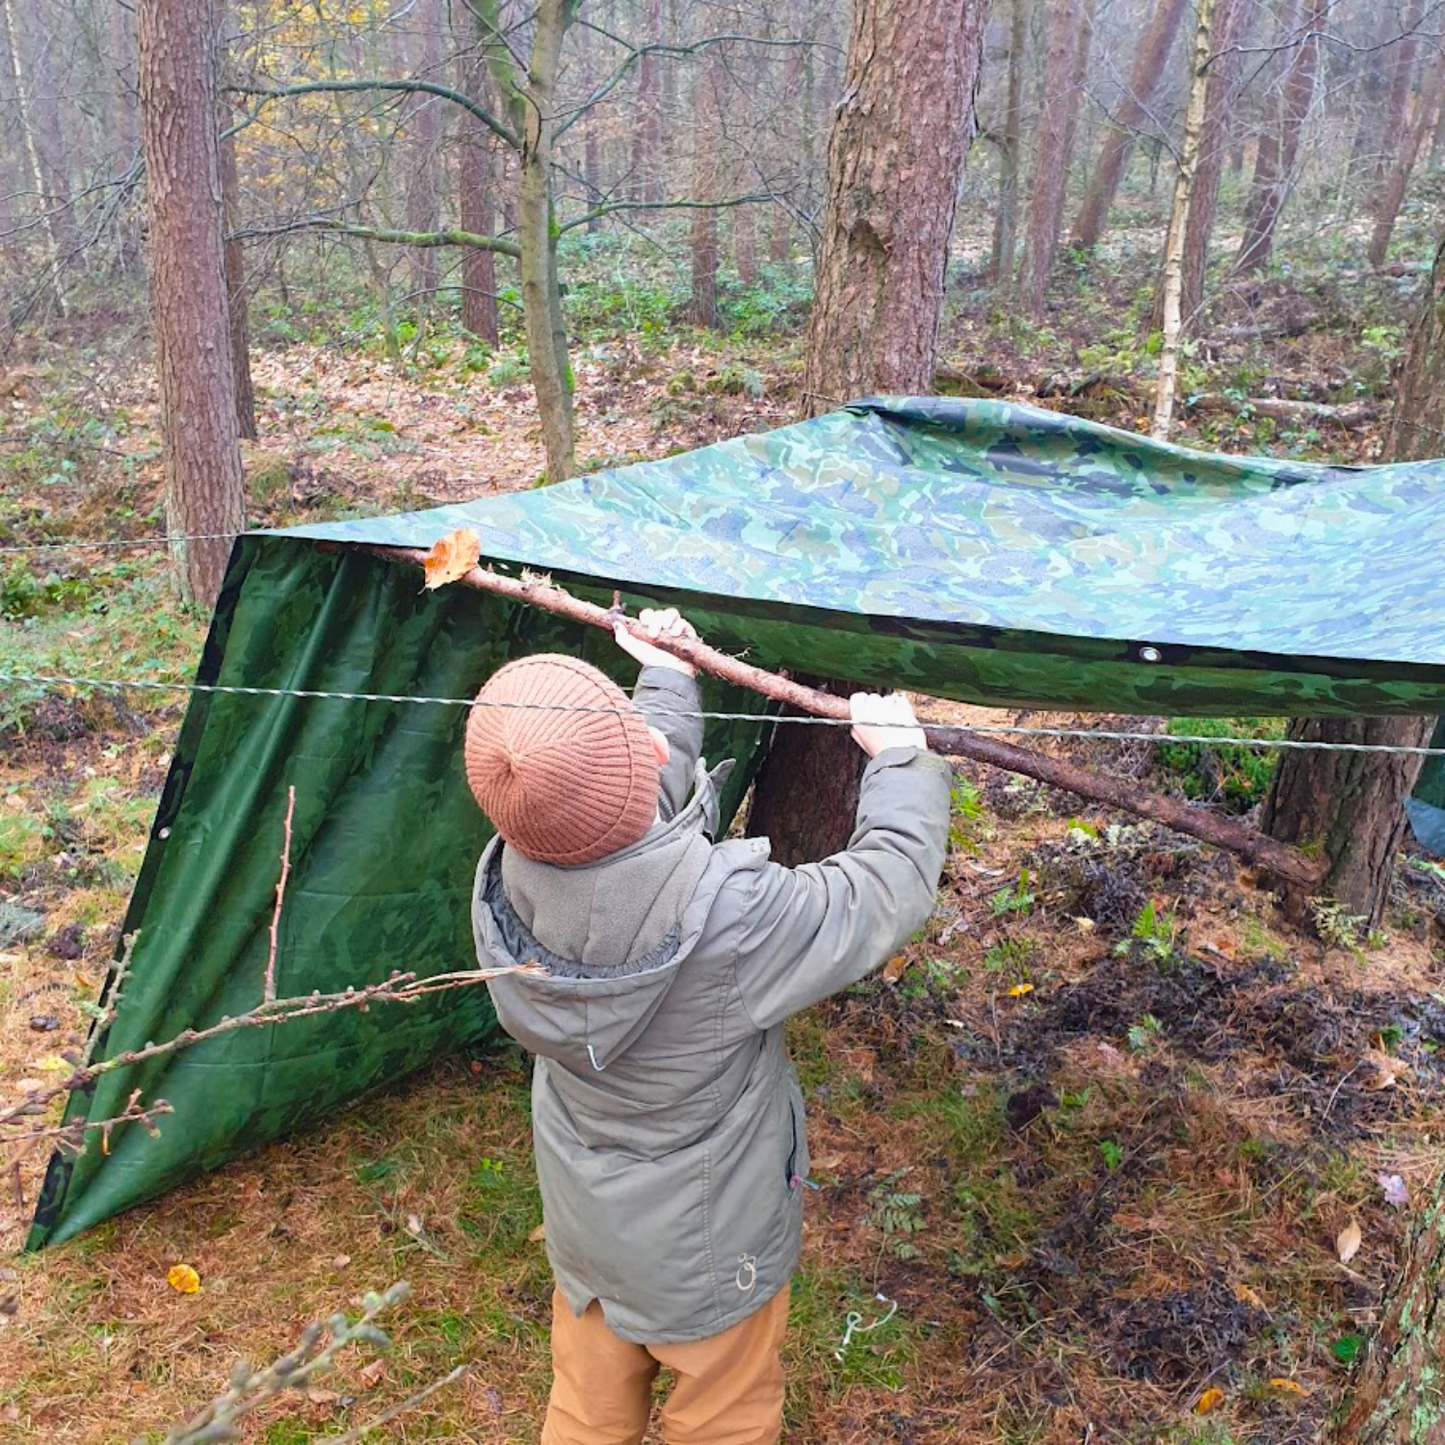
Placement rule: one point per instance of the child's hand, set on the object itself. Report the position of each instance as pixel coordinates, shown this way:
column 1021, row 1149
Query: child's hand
column 880, row 723
column 659, row 622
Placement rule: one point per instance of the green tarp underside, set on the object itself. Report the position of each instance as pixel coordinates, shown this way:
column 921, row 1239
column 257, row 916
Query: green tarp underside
column 973, row 550
column 385, row 839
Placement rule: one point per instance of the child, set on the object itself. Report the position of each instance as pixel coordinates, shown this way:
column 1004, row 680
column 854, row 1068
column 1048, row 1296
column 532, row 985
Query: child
column 667, row 1119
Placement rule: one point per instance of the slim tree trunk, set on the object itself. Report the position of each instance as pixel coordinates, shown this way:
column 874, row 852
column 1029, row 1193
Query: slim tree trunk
column 1005, row 229
column 706, row 111
column 895, row 158
column 1391, row 195
column 237, row 297
column 1299, row 26
column 745, row 243
column 1417, row 428
column 476, row 180
column 1179, row 221
column 20, row 79
column 1394, row 1397
column 423, row 189
column 647, row 131
column 1050, row 172
column 1401, row 63
column 1150, row 63
column 1230, row 23
column 533, row 115
column 179, row 41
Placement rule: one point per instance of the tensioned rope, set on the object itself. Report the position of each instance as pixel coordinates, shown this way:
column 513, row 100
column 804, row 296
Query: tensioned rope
column 53, row 681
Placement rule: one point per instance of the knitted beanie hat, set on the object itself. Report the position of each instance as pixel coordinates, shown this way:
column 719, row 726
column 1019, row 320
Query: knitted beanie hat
column 561, row 787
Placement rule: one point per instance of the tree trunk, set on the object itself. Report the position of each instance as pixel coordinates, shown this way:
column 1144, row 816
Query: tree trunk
column 534, row 117
column 1394, row 1397
column 20, row 79
column 805, row 800
column 1400, row 62
column 895, row 159
column 125, row 127
column 237, row 297
column 423, row 190
column 1050, row 171
column 1391, row 195
column 1230, row 23
column 1279, row 145
column 1350, row 806
column 745, row 243
column 204, row 490
column 647, row 124
column 1179, row 222
column 1150, row 64
column 1417, row 428
column 1005, row 228
column 476, row 178
column 706, row 108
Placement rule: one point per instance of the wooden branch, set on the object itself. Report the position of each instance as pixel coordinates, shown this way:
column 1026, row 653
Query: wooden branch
column 1124, row 794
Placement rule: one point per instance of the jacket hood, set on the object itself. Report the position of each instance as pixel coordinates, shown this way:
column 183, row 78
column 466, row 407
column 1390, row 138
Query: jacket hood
column 609, row 937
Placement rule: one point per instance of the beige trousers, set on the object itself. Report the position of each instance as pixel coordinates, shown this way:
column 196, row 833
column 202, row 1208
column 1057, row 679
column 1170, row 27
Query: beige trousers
column 728, row 1390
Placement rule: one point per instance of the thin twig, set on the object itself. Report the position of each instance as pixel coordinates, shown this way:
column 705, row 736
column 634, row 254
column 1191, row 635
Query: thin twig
column 269, row 994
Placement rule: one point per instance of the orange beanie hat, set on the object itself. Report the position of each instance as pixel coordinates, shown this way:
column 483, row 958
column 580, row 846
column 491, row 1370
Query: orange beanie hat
column 561, row 787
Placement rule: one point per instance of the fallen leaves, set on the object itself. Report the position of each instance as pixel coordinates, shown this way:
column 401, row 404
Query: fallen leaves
column 1209, row 1401
column 183, row 1278
column 1388, row 1070
column 538, row 1234
column 451, row 557
column 1287, row 1387
column 893, row 969
column 1020, row 989
column 1348, row 1242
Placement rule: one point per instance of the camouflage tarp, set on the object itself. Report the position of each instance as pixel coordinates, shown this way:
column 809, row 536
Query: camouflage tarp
column 974, row 550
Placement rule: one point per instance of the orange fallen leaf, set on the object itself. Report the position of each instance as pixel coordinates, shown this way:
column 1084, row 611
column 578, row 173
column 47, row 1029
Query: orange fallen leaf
column 537, row 1235
column 893, row 969
column 1287, row 1387
column 183, row 1278
column 452, row 556
column 1210, row 1400
column 1245, row 1295
column 1020, row 989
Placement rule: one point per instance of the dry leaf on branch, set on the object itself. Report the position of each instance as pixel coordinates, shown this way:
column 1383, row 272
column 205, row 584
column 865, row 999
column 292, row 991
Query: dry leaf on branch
column 453, row 556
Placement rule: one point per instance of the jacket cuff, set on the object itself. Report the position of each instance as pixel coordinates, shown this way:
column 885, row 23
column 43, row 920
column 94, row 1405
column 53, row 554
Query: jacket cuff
column 668, row 679
column 902, row 757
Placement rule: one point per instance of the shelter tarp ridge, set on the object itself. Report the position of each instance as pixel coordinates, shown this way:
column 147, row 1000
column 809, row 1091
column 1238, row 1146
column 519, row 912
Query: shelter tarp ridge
column 975, row 550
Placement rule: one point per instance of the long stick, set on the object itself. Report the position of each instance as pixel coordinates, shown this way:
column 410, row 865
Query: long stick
column 1121, row 793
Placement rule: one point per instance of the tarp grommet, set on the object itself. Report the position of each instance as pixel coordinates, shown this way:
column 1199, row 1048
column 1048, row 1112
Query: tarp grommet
column 1150, row 654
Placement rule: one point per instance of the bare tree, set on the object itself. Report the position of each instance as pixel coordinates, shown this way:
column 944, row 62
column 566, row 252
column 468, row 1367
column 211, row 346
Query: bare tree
column 1172, row 327
column 707, row 114
column 1005, row 230
column 1130, row 116
column 1298, row 28
column 477, row 178
column 205, row 499
column 1414, row 131
column 1050, row 169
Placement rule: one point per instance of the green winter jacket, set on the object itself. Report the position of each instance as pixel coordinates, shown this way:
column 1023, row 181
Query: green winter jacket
column 667, row 1118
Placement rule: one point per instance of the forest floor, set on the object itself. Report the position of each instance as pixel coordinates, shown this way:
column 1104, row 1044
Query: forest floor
column 1086, row 1151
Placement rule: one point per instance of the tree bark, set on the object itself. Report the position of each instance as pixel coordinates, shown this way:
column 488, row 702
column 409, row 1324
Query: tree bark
column 647, row 123
column 1132, row 112
column 895, row 159
column 204, row 489
column 533, row 115
column 1417, row 428
column 1401, row 62
column 1298, row 27
column 1394, row 1397
column 237, row 297
column 707, row 105
column 1230, row 22
column 476, row 179
column 1005, row 228
column 1391, row 194
column 1348, row 806
column 1050, row 170
column 1172, row 327
column 423, row 189
column 805, row 800
column 19, row 76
